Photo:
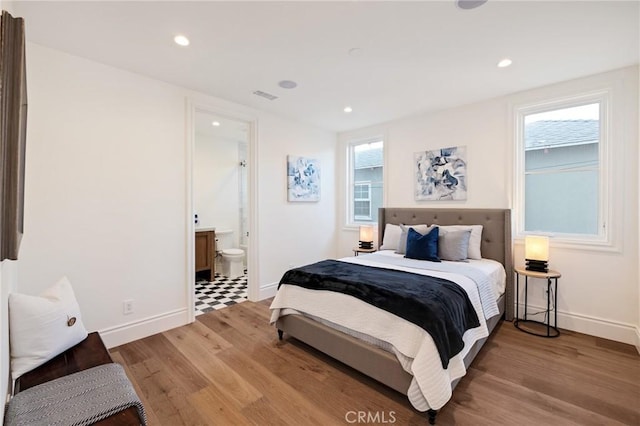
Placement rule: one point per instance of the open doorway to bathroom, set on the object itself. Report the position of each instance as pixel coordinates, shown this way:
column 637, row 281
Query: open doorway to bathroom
column 221, row 211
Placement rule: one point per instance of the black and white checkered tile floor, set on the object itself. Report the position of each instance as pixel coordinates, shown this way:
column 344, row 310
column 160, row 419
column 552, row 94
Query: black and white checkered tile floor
column 220, row 293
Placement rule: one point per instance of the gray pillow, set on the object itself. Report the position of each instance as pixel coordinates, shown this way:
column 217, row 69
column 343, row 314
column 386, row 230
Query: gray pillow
column 474, row 242
column 453, row 245
column 402, row 243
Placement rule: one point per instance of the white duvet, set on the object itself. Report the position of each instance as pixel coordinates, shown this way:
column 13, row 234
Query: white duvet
column 414, row 347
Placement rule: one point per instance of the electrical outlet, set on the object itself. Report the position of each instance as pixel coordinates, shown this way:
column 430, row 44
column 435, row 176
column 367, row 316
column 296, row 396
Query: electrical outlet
column 127, row 306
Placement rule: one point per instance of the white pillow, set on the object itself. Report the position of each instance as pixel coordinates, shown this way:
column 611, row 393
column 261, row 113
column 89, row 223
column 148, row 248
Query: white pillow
column 42, row 327
column 474, row 241
column 391, row 237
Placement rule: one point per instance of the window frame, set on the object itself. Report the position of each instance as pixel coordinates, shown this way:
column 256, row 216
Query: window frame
column 350, row 219
column 604, row 239
column 366, row 183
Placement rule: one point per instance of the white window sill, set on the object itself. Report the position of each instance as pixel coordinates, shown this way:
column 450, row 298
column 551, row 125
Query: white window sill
column 591, row 244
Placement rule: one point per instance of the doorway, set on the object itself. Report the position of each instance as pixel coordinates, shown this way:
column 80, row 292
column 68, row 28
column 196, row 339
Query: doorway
column 222, row 152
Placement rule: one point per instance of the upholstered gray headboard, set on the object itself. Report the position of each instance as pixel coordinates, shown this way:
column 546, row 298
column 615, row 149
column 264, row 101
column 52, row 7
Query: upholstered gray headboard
column 496, row 232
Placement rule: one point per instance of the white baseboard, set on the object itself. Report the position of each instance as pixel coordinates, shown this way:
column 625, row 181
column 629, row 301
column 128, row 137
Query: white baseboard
column 599, row 327
column 128, row 332
column 138, row 329
column 134, row 330
column 268, row 291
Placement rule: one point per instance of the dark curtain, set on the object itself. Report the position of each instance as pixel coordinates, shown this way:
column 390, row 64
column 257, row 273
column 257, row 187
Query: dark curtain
column 13, row 126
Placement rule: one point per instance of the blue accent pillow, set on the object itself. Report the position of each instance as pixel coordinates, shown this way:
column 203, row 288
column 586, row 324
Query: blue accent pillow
column 423, row 247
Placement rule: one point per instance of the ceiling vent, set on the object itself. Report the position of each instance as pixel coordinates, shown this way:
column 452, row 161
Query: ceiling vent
column 470, row 4
column 265, row 95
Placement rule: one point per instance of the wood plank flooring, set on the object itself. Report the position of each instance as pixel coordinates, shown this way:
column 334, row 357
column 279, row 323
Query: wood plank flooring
column 228, row 368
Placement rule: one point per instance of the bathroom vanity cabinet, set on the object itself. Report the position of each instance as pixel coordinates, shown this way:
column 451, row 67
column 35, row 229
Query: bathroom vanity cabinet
column 206, row 254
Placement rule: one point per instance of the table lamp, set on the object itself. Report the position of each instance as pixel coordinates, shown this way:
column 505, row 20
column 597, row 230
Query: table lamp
column 366, row 237
column 536, row 253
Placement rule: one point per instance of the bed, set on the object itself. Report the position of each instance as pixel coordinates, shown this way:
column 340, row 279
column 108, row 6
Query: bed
column 380, row 360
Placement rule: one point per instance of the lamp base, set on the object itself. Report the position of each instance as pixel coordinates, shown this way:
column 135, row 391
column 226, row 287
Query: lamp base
column 537, row 265
column 368, row 245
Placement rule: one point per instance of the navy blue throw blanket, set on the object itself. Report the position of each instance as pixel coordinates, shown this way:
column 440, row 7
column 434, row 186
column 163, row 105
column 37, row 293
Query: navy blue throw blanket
column 439, row 306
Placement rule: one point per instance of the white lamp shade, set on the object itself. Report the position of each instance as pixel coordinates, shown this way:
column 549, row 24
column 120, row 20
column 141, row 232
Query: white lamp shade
column 366, row 234
column 536, row 247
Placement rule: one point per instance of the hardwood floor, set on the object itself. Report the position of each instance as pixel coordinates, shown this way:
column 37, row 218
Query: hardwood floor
column 228, row 368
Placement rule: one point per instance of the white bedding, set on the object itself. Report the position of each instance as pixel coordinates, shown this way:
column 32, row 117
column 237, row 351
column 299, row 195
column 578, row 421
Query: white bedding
column 414, row 347
column 493, row 269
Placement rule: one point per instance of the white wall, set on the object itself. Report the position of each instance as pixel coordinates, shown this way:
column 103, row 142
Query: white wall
column 294, row 233
column 8, row 279
column 106, row 186
column 4, row 342
column 598, row 292
column 216, row 184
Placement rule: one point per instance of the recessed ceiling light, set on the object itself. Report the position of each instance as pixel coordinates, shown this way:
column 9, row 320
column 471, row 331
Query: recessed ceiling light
column 470, row 4
column 504, row 63
column 215, row 123
column 288, row 84
column 348, row 109
column 181, row 40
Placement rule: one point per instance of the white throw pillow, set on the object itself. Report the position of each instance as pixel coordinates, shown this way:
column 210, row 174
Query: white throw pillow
column 391, row 237
column 42, row 327
column 474, row 241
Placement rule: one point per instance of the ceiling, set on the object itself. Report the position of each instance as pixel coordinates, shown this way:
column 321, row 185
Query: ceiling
column 413, row 57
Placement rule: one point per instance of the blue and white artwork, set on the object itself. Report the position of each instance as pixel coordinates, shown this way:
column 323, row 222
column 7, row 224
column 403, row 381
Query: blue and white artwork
column 441, row 174
column 303, row 179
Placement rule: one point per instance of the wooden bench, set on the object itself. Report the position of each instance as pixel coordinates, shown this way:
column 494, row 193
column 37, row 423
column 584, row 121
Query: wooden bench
column 91, row 352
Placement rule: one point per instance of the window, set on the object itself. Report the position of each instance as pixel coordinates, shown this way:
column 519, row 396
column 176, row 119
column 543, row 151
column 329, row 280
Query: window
column 362, row 201
column 561, row 184
column 365, row 192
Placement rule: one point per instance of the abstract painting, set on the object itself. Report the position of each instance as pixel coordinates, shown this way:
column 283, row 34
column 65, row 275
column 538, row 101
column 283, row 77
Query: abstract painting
column 441, row 174
column 303, row 179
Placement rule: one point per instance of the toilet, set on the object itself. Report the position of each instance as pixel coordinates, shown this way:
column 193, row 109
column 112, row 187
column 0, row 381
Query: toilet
column 233, row 262
column 232, row 258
